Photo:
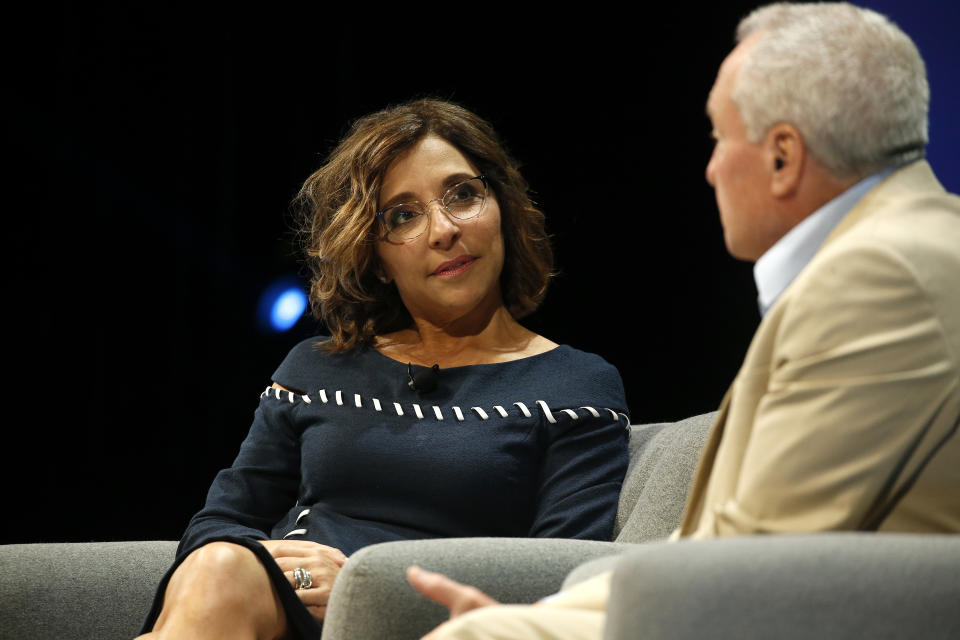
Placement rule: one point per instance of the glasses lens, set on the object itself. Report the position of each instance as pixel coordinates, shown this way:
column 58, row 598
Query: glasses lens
column 405, row 221
column 466, row 199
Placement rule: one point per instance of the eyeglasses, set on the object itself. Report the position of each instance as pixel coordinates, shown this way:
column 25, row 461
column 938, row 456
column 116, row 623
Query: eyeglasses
column 462, row 201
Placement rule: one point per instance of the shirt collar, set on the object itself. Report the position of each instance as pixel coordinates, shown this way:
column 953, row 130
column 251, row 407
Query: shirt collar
column 783, row 262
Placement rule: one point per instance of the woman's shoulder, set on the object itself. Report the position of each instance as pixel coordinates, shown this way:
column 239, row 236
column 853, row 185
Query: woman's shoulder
column 568, row 375
column 589, row 362
column 308, row 361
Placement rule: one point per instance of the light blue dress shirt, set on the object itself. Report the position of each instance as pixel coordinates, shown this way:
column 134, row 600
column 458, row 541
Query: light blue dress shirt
column 784, row 261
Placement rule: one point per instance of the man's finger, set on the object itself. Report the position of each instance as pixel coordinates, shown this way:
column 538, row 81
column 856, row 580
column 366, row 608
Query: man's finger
column 459, row 598
column 435, row 586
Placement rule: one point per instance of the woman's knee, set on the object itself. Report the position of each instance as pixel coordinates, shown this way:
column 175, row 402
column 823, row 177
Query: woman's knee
column 225, row 585
column 217, row 557
column 226, row 574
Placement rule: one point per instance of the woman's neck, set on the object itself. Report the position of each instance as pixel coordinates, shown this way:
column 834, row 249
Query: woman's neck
column 497, row 338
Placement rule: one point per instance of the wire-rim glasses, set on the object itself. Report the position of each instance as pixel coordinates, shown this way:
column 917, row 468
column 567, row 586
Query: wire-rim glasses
column 409, row 220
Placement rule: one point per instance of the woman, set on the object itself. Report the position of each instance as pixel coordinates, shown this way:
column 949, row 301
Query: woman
column 430, row 411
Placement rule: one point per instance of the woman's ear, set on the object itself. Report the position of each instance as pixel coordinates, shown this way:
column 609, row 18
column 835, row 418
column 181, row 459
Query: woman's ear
column 381, row 274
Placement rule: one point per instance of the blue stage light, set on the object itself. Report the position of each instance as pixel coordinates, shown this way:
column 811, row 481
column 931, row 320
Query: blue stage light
column 287, row 309
column 281, row 305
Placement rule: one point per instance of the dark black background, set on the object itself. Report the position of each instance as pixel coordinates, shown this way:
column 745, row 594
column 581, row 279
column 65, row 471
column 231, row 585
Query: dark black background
column 151, row 157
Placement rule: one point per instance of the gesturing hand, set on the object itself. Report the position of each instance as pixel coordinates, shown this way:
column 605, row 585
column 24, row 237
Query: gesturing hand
column 321, row 561
column 458, row 598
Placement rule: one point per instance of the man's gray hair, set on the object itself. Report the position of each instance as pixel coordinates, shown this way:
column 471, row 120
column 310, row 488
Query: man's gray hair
column 847, row 78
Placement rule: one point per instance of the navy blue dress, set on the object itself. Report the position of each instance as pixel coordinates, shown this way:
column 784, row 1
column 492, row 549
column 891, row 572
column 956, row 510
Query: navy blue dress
column 535, row 447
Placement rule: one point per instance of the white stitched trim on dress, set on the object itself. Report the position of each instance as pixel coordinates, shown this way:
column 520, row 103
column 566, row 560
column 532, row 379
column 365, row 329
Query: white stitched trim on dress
column 546, row 412
column 295, row 532
column 437, row 411
column 300, row 517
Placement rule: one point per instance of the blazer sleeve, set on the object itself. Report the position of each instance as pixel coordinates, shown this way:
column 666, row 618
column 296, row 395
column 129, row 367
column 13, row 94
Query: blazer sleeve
column 861, row 386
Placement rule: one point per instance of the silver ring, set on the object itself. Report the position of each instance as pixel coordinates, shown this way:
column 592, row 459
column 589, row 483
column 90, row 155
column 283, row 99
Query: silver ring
column 302, row 579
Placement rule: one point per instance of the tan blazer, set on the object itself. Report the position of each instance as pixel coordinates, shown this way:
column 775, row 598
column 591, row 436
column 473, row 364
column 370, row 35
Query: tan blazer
column 845, row 412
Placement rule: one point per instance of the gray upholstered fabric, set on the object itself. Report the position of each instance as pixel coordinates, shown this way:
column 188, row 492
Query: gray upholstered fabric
column 592, row 568
column 835, row 585
column 81, row 590
column 372, row 600
column 663, row 458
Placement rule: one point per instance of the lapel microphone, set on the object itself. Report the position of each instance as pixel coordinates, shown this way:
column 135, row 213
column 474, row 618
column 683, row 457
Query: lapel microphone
column 423, row 381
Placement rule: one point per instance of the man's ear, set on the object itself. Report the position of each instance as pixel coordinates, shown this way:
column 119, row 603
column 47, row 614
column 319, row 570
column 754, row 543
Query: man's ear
column 785, row 156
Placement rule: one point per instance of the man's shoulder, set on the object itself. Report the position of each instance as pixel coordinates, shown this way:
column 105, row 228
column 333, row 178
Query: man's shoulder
column 910, row 197
column 892, row 272
column 908, row 218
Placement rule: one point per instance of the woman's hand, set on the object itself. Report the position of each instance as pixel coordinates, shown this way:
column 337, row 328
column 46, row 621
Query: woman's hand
column 321, row 561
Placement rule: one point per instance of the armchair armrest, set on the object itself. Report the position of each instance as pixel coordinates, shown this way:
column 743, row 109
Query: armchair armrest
column 79, row 590
column 835, row 585
column 371, row 598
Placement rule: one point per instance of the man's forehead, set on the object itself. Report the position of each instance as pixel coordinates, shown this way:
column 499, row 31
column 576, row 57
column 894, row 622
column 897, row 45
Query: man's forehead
column 711, row 105
column 727, row 73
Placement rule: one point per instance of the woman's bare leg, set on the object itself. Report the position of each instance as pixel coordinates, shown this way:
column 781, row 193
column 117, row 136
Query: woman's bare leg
column 220, row 591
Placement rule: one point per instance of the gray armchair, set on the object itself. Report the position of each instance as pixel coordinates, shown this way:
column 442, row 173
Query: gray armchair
column 826, row 585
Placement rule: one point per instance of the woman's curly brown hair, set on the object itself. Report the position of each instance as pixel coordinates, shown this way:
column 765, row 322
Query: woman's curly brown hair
column 337, row 210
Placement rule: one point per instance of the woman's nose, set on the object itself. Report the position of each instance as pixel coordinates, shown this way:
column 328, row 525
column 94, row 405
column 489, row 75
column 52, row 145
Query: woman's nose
column 444, row 230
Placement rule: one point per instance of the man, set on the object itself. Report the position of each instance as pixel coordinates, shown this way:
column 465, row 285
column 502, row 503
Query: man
column 844, row 415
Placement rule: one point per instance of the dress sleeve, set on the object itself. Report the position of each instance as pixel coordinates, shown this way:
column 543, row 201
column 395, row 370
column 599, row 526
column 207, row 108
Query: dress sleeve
column 861, row 390
column 249, row 498
column 583, row 469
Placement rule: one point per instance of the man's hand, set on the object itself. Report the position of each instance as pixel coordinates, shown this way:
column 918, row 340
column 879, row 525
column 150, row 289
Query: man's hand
column 321, row 561
column 458, row 598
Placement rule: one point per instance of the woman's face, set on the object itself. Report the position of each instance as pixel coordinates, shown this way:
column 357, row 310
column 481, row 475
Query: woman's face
column 452, row 270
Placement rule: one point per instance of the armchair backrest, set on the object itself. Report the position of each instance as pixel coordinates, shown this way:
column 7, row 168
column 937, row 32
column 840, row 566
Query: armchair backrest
column 663, row 458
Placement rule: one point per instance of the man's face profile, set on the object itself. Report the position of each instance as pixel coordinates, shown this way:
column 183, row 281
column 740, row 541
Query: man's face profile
column 737, row 170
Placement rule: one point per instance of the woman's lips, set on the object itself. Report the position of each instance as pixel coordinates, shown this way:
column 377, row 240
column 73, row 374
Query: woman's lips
column 454, row 267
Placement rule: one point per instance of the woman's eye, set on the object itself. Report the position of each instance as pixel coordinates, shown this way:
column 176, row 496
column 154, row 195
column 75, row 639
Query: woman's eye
column 464, row 192
column 401, row 215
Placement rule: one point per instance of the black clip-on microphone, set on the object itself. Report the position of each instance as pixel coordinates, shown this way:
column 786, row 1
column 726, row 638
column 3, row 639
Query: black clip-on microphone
column 423, row 381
